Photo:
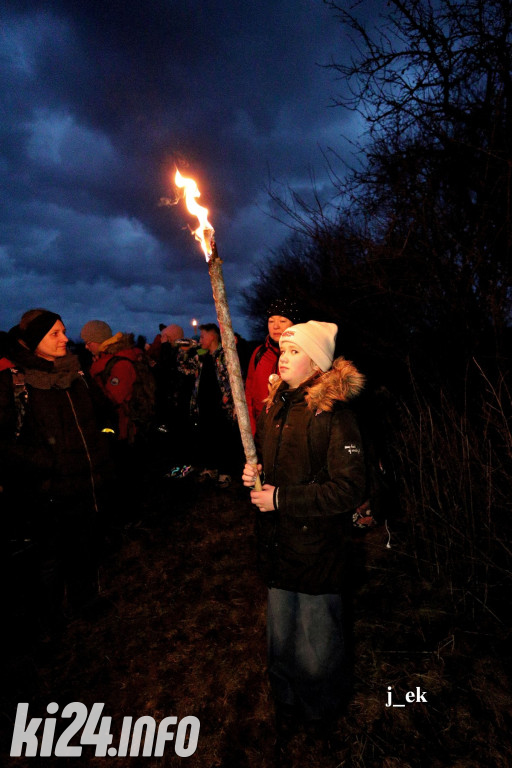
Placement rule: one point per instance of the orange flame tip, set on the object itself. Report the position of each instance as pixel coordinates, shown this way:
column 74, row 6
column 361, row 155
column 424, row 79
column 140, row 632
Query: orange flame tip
column 204, row 233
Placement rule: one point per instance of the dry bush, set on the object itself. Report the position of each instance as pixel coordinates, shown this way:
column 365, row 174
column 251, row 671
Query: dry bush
column 455, row 460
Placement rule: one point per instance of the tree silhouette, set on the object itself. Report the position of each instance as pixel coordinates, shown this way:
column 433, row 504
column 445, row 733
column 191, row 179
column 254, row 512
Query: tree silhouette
column 433, row 82
column 415, row 265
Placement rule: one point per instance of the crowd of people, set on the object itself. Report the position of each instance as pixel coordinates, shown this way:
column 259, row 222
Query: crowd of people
column 71, row 424
column 77, row 429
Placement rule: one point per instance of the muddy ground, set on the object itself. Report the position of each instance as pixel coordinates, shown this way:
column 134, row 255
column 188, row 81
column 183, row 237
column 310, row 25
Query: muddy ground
column 180, row 631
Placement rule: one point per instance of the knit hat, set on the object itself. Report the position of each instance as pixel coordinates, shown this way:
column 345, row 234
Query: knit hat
column 37, row 329
column 284, row 308
column 96, row 330
column 172, row 333
column 317, row 339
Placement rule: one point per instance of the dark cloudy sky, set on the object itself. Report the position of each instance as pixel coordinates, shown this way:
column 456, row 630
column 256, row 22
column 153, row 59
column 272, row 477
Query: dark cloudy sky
column 99, row 99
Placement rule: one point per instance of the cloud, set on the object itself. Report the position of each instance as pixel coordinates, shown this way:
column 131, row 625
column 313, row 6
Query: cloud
column 101, row 100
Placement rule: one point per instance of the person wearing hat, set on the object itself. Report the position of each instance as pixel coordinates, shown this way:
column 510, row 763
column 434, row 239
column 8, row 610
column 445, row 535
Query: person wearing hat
column 263, row 363
column 153, row 349
column 217, row 445
column 115, row 379
column 56, row 462
column 314, row 478
column 173, row 393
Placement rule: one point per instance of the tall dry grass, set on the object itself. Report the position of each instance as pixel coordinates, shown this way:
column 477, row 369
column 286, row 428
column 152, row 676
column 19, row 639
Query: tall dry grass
column 454, row 459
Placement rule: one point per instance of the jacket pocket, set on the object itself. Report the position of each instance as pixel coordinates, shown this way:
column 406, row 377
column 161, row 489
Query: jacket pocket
column 311, row 535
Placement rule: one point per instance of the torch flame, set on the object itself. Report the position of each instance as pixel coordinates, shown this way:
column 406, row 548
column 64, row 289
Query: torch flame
column 204, row 233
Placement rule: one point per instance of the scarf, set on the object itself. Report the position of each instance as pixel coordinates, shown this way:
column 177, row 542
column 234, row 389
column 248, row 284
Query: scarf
column 62, row 373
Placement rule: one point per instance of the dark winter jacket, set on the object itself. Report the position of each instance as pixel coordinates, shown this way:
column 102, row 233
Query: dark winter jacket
column 59, row 453
column 174, row 388
column 311, row 450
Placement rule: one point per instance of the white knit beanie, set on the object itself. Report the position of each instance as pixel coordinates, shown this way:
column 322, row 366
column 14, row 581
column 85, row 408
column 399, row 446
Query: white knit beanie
column 317, row 339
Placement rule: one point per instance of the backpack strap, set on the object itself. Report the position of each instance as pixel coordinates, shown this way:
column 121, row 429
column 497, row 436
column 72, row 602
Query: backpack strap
column 261, row 351
column 20, row 398
column 105, row 373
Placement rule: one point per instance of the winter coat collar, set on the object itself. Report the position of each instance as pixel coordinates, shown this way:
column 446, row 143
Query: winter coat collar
column 44, row 374
column 341, row 383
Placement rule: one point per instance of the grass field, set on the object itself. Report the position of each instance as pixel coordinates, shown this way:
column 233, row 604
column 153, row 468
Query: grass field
column 182, row 632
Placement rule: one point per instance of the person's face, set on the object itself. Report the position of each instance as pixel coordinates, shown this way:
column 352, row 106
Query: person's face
column 276, row 325
column 54, row 344
column 294, row 365
column 93, row 347
column 208, row 340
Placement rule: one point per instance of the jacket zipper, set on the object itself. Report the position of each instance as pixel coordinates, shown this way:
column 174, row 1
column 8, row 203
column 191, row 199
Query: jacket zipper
column 284, row 418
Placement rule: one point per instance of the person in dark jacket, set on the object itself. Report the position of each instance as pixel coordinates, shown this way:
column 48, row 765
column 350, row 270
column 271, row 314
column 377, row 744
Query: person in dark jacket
column 9, row 388
column 174, row 390
column 218, row 445
column 55, row 461
column 314, row 478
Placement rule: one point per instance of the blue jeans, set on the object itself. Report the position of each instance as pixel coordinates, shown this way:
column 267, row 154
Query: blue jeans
column 307, row 660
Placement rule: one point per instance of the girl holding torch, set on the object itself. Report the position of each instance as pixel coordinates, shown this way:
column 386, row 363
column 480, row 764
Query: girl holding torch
column 313, row 479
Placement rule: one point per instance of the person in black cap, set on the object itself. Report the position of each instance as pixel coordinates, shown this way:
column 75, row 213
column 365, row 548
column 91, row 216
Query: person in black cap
column 57, row 459
column 281, row 314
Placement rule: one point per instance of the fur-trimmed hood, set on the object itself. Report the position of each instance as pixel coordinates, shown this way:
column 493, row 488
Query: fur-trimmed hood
column 118, row 343
column 341, row 383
